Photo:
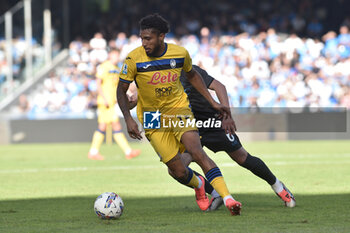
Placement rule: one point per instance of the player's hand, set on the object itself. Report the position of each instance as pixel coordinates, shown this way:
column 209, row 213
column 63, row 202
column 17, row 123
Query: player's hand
column 229, row 125
column 133, row 129
column 224, row 111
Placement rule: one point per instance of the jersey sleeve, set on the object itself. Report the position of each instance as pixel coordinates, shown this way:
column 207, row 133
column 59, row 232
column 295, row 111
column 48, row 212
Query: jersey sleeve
column 128, row 71
column 209, row 80
column 187, row 63
column 206, row 77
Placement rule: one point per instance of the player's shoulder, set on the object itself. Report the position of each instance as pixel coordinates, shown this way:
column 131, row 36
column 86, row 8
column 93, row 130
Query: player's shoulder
column 197, row 68
column 176, row 47
column 135, row 53
column 201, row 71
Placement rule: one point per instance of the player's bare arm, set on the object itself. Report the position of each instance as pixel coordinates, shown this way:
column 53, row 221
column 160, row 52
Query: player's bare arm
column 132, row 95
column 228, row 124
column 197, row 82
column 132, row 101
column 124, row 107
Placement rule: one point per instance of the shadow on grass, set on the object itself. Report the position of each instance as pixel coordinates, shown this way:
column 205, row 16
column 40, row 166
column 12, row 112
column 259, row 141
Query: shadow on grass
column 261, row 213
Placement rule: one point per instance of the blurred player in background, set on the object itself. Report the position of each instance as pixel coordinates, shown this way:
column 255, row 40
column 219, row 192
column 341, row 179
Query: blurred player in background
column 219, row 140
column 156, row 68
column 107, row 81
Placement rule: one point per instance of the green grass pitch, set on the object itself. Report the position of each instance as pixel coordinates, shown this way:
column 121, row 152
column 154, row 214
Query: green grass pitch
column 52, row 188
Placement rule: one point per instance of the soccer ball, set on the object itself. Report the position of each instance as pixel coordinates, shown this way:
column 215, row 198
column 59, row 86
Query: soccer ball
column 109, row 205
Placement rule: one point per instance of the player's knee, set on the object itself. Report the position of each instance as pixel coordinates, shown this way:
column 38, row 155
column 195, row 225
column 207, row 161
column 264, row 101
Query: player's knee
column 241, row 159
column 239, row 156
column 186, row 158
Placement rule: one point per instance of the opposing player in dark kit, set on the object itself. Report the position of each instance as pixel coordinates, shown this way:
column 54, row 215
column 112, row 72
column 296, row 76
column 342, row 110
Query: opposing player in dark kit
column 220, row 139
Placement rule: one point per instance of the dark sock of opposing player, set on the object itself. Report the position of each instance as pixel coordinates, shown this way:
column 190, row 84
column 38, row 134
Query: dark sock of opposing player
column 259, row 168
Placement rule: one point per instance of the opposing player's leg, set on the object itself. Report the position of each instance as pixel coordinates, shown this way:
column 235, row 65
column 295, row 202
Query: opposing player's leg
column 191, row 141
column 260, row 169
column 284, row 193
column 219, row 141
column 254, row 164
column 122, row 142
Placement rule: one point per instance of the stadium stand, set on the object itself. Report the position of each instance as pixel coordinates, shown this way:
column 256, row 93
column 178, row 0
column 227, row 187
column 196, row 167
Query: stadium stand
column 265, row 70
column 18, row 50
column 303, row 17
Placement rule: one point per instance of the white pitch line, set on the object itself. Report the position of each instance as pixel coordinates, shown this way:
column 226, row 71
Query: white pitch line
column 291, row 162
column 116, row 168
column 74, row 169
column 339, row 155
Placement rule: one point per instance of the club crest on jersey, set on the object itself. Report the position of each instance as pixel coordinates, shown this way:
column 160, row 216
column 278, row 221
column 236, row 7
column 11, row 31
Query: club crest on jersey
column 172, row 63
column 125, row 69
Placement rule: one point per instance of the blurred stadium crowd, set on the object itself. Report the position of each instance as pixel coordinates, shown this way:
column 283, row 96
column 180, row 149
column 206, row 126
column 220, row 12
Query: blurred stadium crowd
column 264, row 70
column 264, row 58
column 306, row 18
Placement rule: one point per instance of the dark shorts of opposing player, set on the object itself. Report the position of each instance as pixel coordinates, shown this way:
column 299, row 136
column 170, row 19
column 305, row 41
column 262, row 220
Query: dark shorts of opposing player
column 218, row 140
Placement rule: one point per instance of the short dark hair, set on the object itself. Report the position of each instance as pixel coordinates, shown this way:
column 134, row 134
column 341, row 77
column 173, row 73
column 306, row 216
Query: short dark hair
column 154, row 21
